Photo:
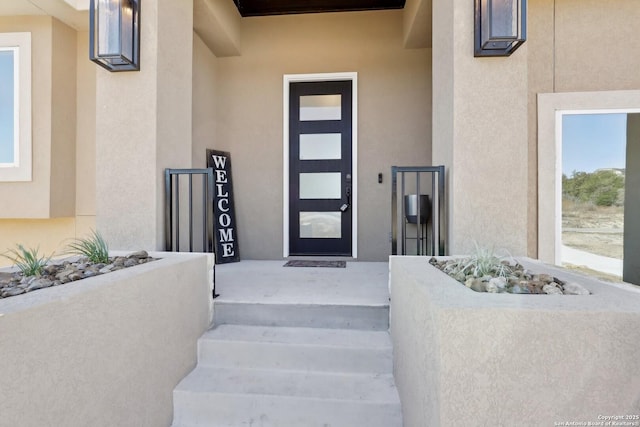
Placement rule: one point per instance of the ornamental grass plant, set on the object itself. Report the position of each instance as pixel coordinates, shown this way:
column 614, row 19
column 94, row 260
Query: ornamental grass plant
column 94, row 248
column 28, row 260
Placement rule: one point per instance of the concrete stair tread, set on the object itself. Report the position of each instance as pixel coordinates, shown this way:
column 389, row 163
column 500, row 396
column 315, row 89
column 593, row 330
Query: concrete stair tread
column 361, row 388
column 344, row 338
column 333, row 316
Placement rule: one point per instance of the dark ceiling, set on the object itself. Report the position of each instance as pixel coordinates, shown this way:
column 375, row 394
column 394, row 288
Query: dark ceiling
column 286, row 7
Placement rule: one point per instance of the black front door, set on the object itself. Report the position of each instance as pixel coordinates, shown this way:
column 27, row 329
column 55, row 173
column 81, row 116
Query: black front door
column 320, row 132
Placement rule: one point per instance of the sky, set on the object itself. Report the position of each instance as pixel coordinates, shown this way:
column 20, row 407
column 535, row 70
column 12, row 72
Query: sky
column 593, row 141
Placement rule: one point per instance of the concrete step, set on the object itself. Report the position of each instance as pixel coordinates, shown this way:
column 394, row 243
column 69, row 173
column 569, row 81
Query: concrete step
column 303, row 349
column 337, row 316
column 294, row 347
column 243, row 397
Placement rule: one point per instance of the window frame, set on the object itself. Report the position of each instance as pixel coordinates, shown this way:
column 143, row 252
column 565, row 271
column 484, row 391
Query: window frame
column 21, row 167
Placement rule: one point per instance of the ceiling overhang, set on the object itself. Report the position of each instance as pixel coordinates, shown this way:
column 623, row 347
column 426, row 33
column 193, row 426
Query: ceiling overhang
column 288, row 7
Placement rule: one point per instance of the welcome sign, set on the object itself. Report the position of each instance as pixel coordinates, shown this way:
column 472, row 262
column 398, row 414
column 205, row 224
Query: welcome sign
column 223, row 208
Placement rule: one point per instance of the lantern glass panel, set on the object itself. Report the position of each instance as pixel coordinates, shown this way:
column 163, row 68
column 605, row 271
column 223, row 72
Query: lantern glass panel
column 127, row 30
column 503, row 19
column 108, row 12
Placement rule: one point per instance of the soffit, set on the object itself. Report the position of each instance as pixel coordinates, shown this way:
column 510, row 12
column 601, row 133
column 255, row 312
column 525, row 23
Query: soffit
column 287, row 7
column 71, row 12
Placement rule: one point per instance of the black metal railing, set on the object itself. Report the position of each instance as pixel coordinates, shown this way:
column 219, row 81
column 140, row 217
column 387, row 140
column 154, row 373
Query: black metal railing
column 189, row 219
column 421, row 206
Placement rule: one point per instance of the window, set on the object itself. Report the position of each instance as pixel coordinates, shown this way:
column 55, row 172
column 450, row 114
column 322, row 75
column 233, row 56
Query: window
column 15, row 107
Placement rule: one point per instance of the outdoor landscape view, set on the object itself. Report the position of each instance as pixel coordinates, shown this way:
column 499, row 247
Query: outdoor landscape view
column 593, row 154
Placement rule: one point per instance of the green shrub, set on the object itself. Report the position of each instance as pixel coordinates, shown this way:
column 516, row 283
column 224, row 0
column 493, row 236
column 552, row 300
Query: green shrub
column 606, row 198
column 600, row 188
column 95, row 248
column 28, row 261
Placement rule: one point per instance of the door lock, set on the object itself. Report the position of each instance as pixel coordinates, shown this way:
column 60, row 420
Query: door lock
column 344, row 207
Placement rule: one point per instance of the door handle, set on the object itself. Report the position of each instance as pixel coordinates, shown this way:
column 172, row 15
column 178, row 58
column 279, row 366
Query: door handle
column 347, row 192
column 346, row 206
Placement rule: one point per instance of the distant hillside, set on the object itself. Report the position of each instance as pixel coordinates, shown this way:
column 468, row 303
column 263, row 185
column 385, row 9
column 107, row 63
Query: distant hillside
column 617, row 171
column 604, row 187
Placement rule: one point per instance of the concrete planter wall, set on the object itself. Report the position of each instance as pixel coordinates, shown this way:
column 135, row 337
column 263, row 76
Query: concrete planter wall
column 104, row 351
column 466, row 358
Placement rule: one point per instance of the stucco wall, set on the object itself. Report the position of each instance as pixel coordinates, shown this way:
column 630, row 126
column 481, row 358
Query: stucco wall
column 64, row 143
column 485, row 109
column 467, row 358
column 85, row 129
column 204, row 103
column 595, row 43
column 144, row 126
column 394, row 123
column 104, row 351
column 575, row 46
column 32, row 199
column 480, row 135
column 51, row 193
column 63, row 120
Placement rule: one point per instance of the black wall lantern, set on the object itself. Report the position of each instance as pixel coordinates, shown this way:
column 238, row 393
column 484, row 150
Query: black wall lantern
column 114, row 31
column 500, row 27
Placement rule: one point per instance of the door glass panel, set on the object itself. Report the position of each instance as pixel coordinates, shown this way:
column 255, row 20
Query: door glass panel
column 320, row 107
column 320, row 146
column 320, row 225
column 321, row 185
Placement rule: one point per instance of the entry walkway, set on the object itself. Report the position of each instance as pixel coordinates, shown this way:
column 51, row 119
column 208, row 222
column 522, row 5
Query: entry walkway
column 269, row 282
column 294, row 346
column 601, row 263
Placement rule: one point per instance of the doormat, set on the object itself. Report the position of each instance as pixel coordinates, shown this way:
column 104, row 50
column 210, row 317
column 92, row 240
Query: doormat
column 306, row 263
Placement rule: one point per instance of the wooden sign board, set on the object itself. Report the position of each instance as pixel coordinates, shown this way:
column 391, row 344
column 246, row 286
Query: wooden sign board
column 226, row 236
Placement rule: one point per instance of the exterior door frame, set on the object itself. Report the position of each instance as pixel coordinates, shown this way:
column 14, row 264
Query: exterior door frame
column 294, row 78
column 551, row 108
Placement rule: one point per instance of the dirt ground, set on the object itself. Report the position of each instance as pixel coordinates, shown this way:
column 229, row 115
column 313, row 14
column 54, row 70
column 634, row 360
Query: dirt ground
column 595, row 229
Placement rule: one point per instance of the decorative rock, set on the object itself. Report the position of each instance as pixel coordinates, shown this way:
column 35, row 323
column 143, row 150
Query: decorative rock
column 65, row 273
column 499, row 282
column 491, row 287
column 75, row 276
column 518, row 290
column 572, row 288
column 130, row 262
column 39, row 284
column 51, row 269
column 12, row 292
column 478, row 285
column 139, row 254
column 61, row 272
column 536, row 284
column 551, row 290
column 547, row 278
column 107, row 268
